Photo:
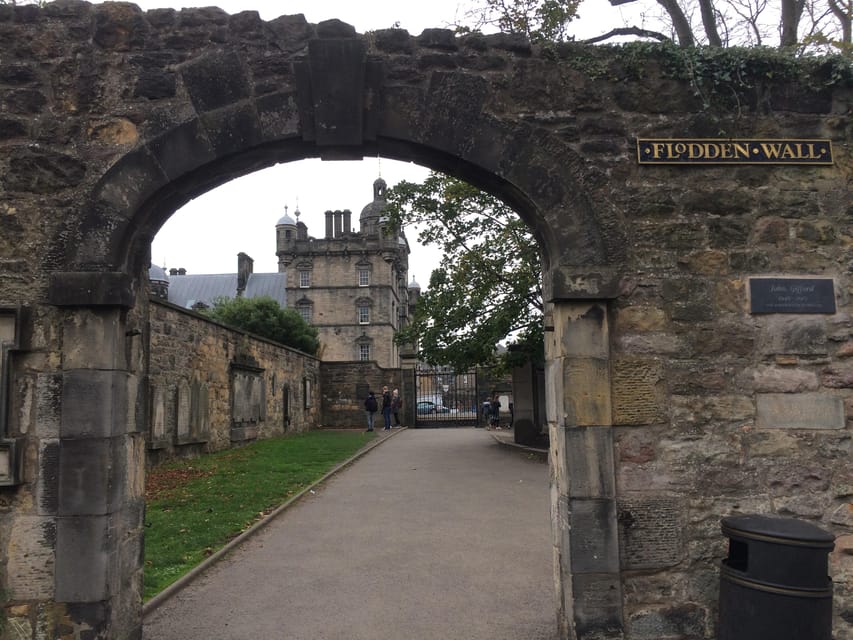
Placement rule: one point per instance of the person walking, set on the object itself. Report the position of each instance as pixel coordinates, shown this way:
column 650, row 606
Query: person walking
column 396, row 405
column 386, row 408
column 370, row 407
column 496, row 412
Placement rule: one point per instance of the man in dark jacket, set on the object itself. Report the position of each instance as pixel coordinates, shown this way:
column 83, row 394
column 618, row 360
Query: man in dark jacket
column 386, row 407
column 370, row 406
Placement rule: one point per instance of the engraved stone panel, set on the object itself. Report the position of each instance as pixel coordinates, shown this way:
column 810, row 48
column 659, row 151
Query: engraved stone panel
column 637, row 392
column 200, row 413
column 650, row 532
column 158, row 414
column 799, row 411
column 182, row 409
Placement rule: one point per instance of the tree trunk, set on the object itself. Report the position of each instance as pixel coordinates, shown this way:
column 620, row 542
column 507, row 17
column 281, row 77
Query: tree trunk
column 792, row 10
column 709, row 21
column 844, row 15
column 680, row 22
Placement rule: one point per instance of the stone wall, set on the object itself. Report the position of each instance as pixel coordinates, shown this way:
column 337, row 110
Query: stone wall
column 211, row 387
column 344, row 387
column 670, row 402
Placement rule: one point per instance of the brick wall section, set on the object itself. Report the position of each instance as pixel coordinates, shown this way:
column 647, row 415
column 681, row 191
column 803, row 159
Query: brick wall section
column 188, row 349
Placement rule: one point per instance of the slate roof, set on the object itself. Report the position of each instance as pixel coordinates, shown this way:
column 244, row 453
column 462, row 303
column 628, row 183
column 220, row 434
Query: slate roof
column 187, row 290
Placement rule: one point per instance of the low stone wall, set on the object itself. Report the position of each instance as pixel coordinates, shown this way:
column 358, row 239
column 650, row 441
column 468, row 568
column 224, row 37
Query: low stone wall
column 344, row 387
column 211, row 387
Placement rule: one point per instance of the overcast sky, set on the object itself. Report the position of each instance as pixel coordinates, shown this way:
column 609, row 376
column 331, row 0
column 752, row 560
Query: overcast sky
column 241, row 215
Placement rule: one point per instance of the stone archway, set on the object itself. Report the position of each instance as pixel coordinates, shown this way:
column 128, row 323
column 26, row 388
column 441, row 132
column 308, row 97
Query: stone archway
column 642, row 272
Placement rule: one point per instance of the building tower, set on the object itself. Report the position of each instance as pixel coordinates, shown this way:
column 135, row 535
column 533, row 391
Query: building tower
column 351, row 285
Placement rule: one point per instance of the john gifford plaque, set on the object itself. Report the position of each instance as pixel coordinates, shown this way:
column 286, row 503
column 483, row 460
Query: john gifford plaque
column 791, row 295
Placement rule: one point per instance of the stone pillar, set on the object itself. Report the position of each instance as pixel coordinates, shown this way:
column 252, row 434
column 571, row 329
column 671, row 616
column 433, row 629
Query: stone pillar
column 100, row 471
column 582, row 471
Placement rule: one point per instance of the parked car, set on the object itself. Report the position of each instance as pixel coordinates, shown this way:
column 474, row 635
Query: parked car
column 426, row 407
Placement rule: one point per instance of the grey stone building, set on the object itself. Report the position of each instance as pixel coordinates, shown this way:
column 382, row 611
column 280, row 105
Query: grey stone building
column 350, row 284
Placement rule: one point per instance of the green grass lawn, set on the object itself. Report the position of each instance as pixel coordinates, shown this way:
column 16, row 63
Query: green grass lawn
column 194, row 507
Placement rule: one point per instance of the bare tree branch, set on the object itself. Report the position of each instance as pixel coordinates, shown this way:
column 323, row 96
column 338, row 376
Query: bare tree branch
column 627, row 31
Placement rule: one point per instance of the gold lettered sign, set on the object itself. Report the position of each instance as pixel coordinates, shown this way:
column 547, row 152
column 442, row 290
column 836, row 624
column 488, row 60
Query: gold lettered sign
column 708, row 151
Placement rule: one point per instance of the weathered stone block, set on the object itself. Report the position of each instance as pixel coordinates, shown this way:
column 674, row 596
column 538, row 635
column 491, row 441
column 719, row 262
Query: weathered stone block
column 639, row 319
column 799, row 411
column 594, row 541
column 651, row 532
column 29, row 571
column 683, row 621
column 215, row 80
column 587, row 386
column 638, row 392
column 82, row 559
column 85, row 476
column 94, row 403
column 793, row 336
column 584, row 329
column 598, row 606
column 183, row 149
column 782, row 380
column 589, row 460
column 233, row 129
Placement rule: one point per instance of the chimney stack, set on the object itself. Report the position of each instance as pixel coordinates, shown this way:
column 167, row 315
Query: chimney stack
column 245, row 265
column 329, row 224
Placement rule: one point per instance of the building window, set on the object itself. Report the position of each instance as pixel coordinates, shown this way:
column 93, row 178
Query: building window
column 363, row 277
column 305, row 312
column 363, row 314
column 364, row 352
column 304, row 279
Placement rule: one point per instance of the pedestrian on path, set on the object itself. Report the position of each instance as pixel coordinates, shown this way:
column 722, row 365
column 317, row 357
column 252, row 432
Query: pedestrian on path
column 396, row 405
column 496, row 412
column 386, row 407
column 370, row 406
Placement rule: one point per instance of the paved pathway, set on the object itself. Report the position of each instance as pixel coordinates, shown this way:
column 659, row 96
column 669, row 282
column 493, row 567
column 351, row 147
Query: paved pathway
column 435, row 534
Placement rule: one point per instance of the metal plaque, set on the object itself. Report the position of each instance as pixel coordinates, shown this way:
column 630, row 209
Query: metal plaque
column 734, row 151
column 792, row 295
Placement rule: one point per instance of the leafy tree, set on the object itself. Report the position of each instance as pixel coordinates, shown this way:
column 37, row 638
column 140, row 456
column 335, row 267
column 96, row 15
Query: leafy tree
column 263, row 316
column 539, row 20
column 489, row 287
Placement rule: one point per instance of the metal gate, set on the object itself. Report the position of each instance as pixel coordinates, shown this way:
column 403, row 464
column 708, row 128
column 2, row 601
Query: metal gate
column 445, row 398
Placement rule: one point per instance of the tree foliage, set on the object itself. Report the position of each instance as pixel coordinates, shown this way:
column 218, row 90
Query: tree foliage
column 539, row 20
column 489, row 285
column 264, row 317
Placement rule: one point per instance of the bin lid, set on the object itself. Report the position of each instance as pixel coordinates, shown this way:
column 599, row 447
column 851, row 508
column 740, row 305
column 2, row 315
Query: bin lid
column 770, row 528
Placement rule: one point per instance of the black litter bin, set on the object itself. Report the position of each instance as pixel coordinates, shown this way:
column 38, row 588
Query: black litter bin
column 774, row 585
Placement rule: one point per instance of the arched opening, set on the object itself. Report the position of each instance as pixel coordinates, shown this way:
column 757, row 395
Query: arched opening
column 314, row 220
